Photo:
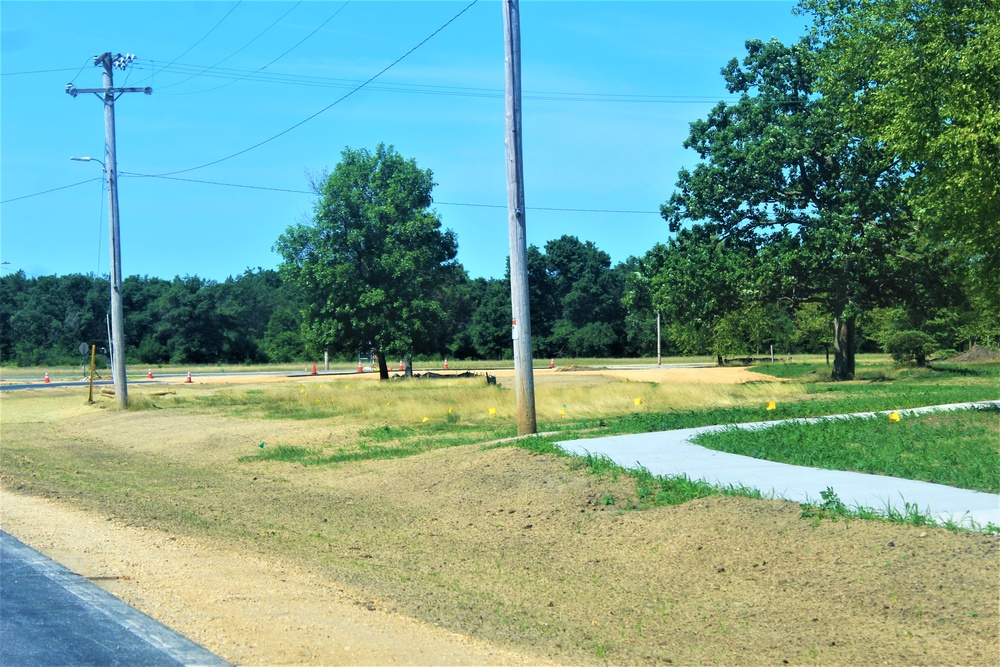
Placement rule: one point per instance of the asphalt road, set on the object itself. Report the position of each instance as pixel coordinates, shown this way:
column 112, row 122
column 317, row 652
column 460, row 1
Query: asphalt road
column 50, row 616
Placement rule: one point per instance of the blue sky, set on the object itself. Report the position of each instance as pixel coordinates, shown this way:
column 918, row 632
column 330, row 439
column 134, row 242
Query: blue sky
column 610, row 88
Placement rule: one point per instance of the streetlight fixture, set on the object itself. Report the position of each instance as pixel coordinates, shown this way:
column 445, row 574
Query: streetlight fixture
column 90, row 159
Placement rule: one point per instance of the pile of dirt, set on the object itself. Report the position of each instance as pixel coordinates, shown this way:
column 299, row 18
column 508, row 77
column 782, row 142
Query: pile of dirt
column 976, row 353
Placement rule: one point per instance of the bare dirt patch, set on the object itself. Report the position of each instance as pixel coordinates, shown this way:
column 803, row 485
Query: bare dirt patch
column 976, row 353
column 517, row 550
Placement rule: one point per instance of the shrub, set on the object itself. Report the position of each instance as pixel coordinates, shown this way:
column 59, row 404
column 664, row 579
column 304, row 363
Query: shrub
column 910, row 347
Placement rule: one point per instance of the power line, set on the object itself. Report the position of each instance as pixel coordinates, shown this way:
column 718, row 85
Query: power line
column 211, row 67
column 44, row 71
column 310, row 192
column 240, row 2
column 45, row 192
column 329, row 106
column 438, row 203
column 431, row 89
column 285, row 53
column 228, row 185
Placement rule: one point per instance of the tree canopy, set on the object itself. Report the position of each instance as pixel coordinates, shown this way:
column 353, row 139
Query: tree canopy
column 372, row 263
column 923, row 79
column 779, row 174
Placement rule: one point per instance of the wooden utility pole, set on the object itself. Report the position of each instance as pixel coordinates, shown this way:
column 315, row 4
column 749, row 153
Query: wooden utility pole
column 109, row 94
column 659, row 355
column 524, row 379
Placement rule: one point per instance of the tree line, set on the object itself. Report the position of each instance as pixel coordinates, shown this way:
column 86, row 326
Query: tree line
column 581, row 306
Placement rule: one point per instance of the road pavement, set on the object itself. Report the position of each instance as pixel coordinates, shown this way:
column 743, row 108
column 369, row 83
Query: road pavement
column 50, row 616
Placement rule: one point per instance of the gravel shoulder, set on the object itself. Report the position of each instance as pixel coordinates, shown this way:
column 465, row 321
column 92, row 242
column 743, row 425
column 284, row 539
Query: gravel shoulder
column 245, row 608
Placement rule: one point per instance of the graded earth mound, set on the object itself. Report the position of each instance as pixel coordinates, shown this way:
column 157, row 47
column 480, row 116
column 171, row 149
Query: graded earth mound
column 976, row 353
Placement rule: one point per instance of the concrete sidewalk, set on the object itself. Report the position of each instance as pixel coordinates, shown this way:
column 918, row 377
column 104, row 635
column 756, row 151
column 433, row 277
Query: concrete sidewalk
column 51, row 616
column 673, row 453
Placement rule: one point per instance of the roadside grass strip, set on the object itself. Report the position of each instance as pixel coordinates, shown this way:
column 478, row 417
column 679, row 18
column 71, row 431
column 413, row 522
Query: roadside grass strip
column 955, row 445
column 677, row 460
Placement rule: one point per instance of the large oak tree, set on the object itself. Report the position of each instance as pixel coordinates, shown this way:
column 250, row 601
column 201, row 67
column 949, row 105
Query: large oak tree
column 780, row 173
column 922, row 77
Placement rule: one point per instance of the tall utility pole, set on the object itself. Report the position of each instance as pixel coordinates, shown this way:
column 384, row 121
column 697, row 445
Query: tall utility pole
column 524, row 378
column 109, row 94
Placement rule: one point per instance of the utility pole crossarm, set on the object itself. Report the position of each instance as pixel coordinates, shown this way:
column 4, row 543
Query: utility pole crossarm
column 74, row 91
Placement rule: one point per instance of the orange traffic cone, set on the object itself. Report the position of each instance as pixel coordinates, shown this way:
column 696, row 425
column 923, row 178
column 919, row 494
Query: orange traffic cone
column 400, row 364
column 46, row 380
column 360, row 369
column 446, row 364
column 314, row 370
column 188, row 377
column 552, row 363
column 149, row 374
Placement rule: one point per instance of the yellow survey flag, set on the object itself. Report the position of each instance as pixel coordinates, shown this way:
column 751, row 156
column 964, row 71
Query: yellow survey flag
column 493, row 411
column 637, row 401
column 771, row 405
column 894, row 416
column 427, row 419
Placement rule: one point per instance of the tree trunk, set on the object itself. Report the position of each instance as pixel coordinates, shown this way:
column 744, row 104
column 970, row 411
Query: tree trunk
column 383, row 367
column 843, row 347
column 719, row 361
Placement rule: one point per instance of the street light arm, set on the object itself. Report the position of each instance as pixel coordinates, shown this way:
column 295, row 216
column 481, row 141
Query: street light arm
column 89, row 159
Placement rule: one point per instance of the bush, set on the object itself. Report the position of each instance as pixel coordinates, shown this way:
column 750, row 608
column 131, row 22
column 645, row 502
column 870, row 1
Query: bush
column 910, row 347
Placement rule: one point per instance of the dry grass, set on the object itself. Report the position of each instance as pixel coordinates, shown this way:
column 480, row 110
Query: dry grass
column 469, row 400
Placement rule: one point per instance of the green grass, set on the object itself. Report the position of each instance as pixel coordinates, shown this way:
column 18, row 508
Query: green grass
column 650, row 490
column 960, row 448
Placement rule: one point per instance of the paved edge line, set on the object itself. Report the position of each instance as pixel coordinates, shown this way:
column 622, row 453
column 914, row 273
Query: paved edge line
column 174, row 644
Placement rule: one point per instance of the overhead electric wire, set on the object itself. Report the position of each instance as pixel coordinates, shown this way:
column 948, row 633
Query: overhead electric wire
column 439, row 203
column 211, row 67
column 186, row 51
column 44, row 71
column 228, row 185
column 285, row 53
column 45, row 192
column 331, row 105
column 431, row 89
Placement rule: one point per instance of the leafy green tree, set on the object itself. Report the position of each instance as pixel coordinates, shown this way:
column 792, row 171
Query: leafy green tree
column 812, row 328
column 921, row 79
column 637, row 300
column 189, row 326
column 577, row 298
column 490, row 325
column 371, row 264
column 702, row 282
column 282, row 340
column 779, row 173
